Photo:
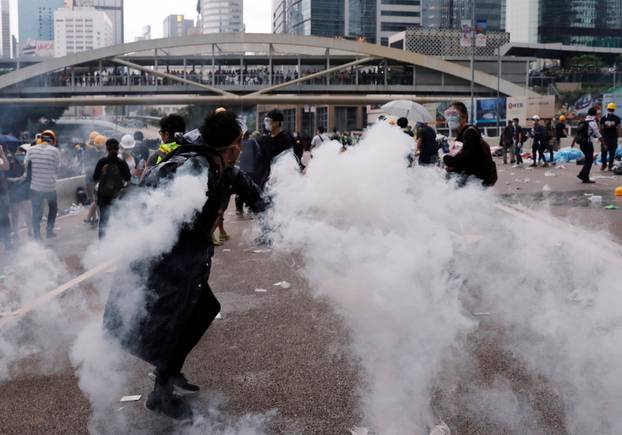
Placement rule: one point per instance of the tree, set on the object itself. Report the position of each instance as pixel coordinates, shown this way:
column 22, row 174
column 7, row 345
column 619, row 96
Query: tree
column 16, row 120
column 587, row 60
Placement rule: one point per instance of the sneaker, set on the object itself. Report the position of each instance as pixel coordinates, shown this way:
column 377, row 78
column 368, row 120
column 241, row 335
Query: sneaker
column 533, row 165
column 216, row 241
column 183, row 387
column 546, row 165
column 224, row 237
column 162, row 401
column 603, row 167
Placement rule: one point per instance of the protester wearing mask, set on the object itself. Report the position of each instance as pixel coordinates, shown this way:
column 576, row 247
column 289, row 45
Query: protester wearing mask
column 538, row 135
column 610, row 125
column 95, row 150
column 170, row 125
column 19, row 191
column 586, row 134
column 271, row 145
column 181, row 303
column 475, row 158
column 128, row 145
column 427, row 146
column 520, row 137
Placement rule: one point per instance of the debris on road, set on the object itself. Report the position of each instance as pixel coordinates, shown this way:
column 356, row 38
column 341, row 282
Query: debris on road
column 219, row 316
column 441, row 429
column 135, row 398
column 359, row 431
column 261, row 290
column 596, row 199
column 283, row 284
column 612, row 207
column 546, row 188
column 549, row 174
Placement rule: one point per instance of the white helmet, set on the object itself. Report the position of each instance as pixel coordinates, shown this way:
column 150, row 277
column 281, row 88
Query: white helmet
column 535, row 118
column 128, row 142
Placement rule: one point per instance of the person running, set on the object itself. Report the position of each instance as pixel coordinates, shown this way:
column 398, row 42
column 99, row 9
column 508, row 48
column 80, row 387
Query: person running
column 610, row 125
column 181, row 305
column 507, row 143
column 538, row 135
column 587, row 132
column 475, row 158
column 112, row 174
column 45, row 161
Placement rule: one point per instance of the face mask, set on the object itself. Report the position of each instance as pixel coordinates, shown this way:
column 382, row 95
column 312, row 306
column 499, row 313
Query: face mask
column 267, row 124
column 453, row 121
column 20, row 158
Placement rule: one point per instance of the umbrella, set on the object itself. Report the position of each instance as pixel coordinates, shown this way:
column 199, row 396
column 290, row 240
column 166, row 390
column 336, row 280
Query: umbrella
column 415, row 112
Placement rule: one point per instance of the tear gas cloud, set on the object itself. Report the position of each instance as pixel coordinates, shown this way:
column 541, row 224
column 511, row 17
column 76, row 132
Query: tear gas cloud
column 406, row 259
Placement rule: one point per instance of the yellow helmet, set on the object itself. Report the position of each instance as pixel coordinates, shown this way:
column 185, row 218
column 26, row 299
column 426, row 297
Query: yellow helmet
column 100, row 141
column 612, row 106
column 49, row 133
column 562, row 118
column 92, row 136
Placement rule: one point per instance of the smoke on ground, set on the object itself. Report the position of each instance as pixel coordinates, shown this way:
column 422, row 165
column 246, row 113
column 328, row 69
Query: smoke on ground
column 408, row 260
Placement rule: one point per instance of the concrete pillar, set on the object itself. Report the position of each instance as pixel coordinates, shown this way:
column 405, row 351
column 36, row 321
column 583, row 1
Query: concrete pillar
column 360, row 122
column 298, row 123
column 331, row 118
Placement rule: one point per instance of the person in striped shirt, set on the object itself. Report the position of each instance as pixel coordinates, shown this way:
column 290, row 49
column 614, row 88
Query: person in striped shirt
column 44, row 159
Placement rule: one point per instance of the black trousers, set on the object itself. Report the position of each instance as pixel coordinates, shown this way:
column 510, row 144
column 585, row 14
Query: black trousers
column 610, row 149
column 588, row 151
column 104, row 216
column 204, row 313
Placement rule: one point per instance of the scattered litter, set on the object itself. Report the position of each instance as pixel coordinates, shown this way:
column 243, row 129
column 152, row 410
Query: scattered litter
column 2, row 276
column 283, row 284
column 597, row 199
column 561, row 167
column 226, row 250
column 618, row 191
column 549, row 174
column 261, row 290
column 359, row 431
column 612, row 207
column 546, row 188
column 6, row 314
column 605, row 177
column 260, row 251
column 482, row 314
column 588, row 194
column 131, row 398
column 441, row 429
column 219, row 316
column 572, row 198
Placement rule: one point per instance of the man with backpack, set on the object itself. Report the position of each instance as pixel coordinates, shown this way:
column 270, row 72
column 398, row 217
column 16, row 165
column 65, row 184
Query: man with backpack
column 320, row 138
column 475, row 158
column 586, row 133
column 180, row 303
column 112, row 174
column 611, row 129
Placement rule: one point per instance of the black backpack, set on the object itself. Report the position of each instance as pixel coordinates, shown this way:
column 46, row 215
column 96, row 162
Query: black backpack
column 111, row 181
column 583, row 133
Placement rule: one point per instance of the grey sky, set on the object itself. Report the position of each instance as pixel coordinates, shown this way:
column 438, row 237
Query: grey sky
column 139, row 13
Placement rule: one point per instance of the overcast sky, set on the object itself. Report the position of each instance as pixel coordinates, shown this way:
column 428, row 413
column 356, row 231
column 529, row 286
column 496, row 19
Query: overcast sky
column 139, row 13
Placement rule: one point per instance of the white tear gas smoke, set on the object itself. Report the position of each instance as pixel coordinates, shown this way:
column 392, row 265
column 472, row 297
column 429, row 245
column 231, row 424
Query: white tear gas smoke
column 31, row 272
column 405, row 258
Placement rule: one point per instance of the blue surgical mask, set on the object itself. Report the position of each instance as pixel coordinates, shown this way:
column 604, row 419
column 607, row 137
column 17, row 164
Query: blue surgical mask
column 21, row 158
column 453, row 121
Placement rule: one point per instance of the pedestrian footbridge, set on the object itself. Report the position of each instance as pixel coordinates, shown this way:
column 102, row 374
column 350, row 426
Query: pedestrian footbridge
column 242, row 68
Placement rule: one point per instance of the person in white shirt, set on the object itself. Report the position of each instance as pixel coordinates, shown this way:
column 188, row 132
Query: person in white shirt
column 44, row 159
column 320, row 138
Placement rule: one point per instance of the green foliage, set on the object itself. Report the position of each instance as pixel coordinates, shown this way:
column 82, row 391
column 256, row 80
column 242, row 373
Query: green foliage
column 15, row 120
column 587, row 60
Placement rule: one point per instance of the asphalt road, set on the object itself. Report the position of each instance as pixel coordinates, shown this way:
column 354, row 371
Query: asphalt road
column 279, row 360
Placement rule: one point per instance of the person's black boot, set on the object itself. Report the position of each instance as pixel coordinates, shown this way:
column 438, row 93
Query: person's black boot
column 162, row 401
column 183, row 387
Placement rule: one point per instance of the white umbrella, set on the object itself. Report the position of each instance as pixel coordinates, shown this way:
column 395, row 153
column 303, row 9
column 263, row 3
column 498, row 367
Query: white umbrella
column 414, row 112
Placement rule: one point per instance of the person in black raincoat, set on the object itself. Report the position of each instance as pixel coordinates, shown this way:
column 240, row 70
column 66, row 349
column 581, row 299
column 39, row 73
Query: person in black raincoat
column 180, row 305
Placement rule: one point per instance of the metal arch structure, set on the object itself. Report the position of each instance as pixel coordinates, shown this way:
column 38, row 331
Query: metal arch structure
column 247, row 43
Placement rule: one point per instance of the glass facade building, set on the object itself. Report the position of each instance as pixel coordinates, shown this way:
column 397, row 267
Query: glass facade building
column 36, row 19
column 581, row 22
column 448, row 14
column 361, row 18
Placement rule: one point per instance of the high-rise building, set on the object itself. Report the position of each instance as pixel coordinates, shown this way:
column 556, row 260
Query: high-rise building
column 112, row 8
column 176, row 26
column 145, row 35
column 449, row 14
column 81, row 29
column 571, row 22
column 221, row 16
column 581, row 22
column 373, row 20
column 5, row 29
column 435, row 14
column 36, row 19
